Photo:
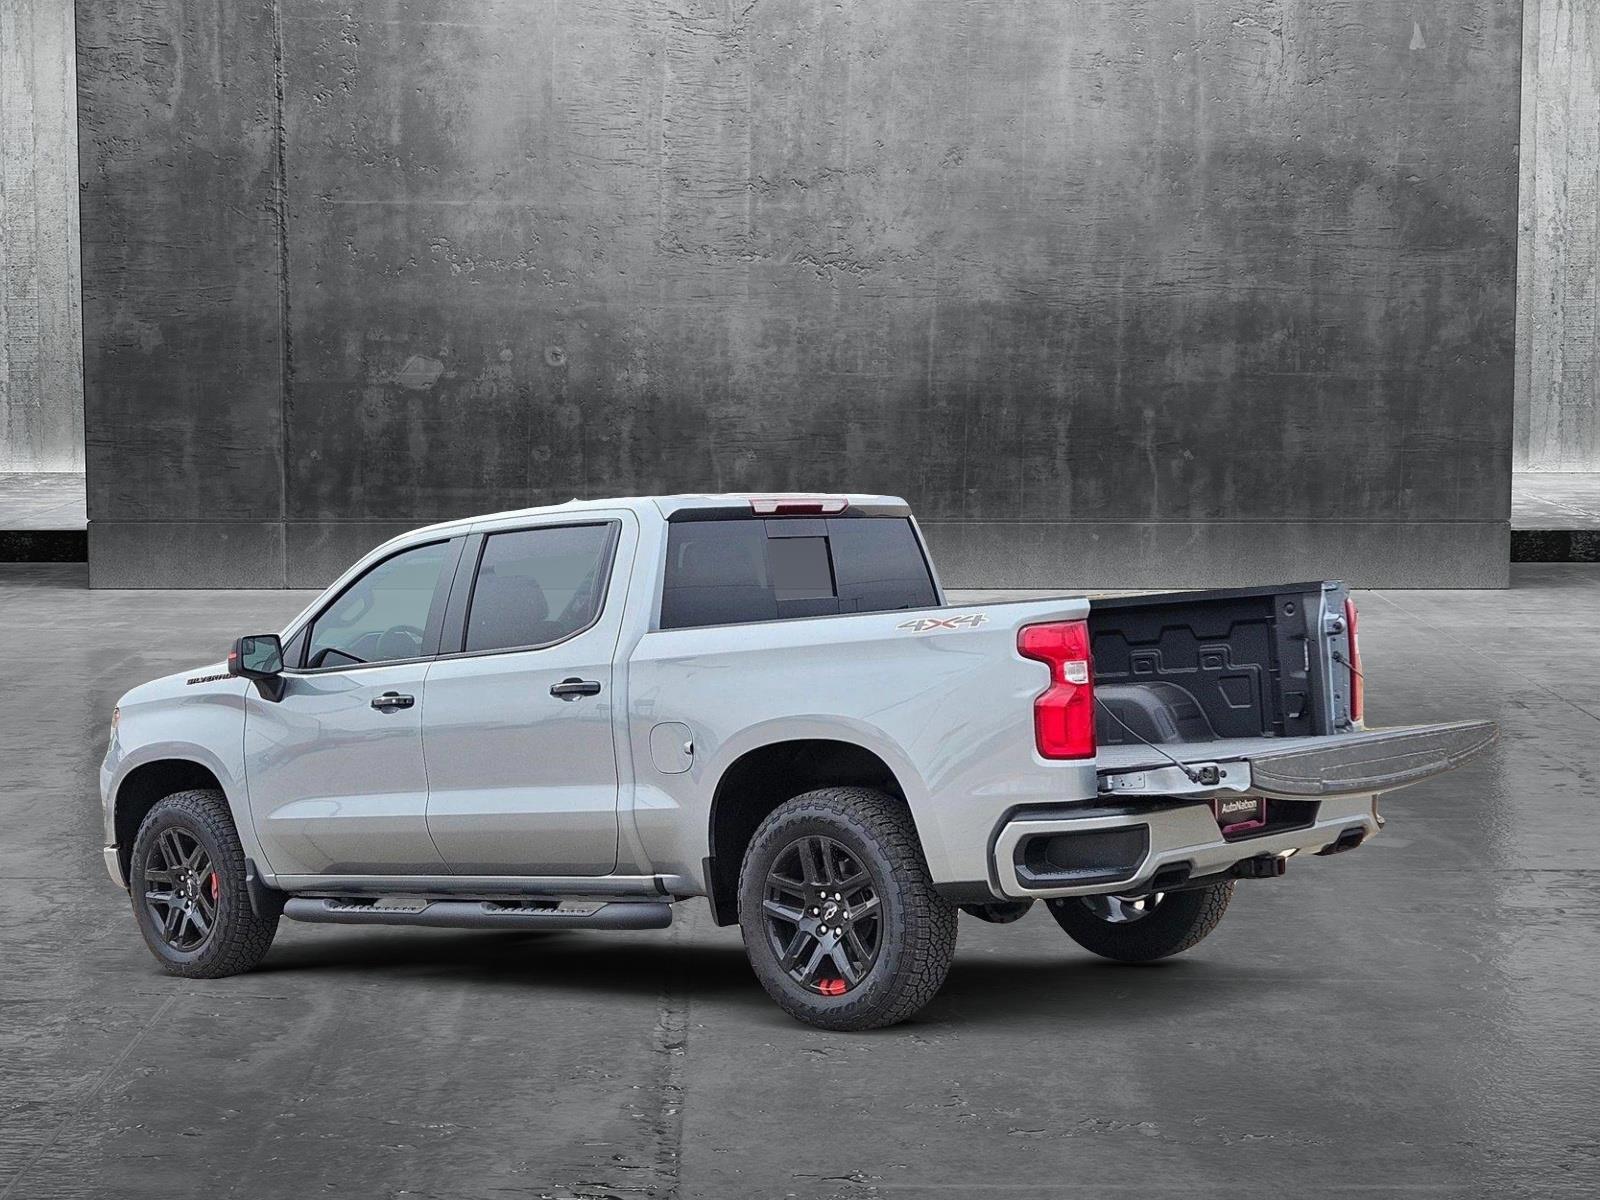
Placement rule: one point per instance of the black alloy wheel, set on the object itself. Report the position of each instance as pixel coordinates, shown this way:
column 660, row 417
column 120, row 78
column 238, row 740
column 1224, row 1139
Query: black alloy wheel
column 191, row 898
column 822, row 915
column 181, row 889
column 841, row 922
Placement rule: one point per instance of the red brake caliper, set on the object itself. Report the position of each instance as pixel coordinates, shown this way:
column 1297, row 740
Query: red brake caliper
column 832, row 987
column 216, row 886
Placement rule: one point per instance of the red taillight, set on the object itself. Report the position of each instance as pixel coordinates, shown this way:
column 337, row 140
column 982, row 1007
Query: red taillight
column 1063, row 714
column 1358, row 691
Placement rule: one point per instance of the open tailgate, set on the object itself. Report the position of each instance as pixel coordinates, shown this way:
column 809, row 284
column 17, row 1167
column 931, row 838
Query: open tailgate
column 1374, row 760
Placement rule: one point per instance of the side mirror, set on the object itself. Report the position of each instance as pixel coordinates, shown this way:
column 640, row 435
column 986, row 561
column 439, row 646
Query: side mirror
column 259, row 657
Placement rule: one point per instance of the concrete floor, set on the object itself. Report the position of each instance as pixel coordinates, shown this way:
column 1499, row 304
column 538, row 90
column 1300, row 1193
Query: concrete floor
column 1419, row 1017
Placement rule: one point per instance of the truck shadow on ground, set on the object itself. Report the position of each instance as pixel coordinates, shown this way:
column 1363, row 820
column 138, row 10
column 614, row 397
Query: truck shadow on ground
column 980, row 990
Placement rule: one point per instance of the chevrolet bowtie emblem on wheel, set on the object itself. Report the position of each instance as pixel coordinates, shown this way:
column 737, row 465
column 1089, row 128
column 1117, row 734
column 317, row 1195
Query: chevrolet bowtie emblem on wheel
column 926, row 624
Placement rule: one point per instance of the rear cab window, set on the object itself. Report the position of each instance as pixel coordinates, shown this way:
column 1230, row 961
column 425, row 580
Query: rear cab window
column 748, row 569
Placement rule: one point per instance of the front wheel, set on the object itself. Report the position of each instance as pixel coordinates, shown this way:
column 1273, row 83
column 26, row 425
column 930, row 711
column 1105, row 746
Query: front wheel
column 187, row 882
column 840, row 920
column 1142, row 928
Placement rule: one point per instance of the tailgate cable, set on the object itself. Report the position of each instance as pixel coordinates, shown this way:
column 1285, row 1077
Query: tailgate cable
column 1339, row 658
column 1194, row 776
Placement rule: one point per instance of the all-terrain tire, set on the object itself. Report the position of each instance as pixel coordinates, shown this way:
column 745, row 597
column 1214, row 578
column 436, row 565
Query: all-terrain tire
column 238, row 938
column 916, row 933
column 1179, row 921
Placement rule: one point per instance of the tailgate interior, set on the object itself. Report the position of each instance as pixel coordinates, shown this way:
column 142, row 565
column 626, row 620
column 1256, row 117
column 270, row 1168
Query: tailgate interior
column 1203, row 666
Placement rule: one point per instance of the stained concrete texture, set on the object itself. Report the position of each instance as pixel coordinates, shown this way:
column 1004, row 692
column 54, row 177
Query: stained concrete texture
column 41, row 325
column 1414, row 1018
column 1558, row 260
column 1114, row 294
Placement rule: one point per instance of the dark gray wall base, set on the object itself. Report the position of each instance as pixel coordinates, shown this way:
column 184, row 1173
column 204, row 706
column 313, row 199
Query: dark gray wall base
column 1096, row 555
column 43, row 545
column 1555, row 545
column 1070, row 555
column 186, row 554
column 319, row 551
column 230, row 554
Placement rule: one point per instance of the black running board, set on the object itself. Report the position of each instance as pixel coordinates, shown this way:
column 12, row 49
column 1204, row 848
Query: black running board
column 481, row 914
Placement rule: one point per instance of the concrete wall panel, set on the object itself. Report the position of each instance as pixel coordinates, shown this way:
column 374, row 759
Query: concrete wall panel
column 41, row 345
column 181, row 262
column 1558, row 315
column 1203, row 264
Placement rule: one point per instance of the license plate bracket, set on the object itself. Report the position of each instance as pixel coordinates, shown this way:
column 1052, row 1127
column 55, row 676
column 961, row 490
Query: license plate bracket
column 1239, row 814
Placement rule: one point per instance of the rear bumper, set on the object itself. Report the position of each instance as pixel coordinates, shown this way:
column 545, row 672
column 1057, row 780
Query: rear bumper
column 1122, row 848
column 1155, row 815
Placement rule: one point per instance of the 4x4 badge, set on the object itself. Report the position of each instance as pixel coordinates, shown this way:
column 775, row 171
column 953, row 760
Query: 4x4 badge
column 925, row 624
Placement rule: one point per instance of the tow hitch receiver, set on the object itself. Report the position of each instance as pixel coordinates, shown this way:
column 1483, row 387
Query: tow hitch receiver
column 1262, row 866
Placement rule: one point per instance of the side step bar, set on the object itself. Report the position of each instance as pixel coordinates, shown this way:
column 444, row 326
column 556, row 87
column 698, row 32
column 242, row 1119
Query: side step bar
column 481, row 914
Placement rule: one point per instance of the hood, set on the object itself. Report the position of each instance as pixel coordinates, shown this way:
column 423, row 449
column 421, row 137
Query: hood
column 188, row 682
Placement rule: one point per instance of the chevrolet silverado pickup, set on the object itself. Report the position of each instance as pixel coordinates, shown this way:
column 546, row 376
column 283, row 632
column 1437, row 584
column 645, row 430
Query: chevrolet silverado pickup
column 576, row 716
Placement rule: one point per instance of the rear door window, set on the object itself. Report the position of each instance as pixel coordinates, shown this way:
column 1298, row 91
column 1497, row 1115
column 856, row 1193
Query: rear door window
column 745, row 570
column 535, row 587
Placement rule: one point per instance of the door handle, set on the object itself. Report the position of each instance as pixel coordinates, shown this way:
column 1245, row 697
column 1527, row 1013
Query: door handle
column 571, row 689
column 390, row 701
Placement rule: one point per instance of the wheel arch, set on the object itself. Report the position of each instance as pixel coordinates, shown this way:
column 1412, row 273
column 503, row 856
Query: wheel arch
column 146, row 785
column 765, row 776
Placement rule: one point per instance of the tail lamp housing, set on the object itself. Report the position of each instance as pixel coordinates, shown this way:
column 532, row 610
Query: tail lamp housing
column 1358, row 691
column 1063, row 714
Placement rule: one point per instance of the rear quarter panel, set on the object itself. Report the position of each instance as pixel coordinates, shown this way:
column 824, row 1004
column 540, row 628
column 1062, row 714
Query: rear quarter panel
column 948, row 707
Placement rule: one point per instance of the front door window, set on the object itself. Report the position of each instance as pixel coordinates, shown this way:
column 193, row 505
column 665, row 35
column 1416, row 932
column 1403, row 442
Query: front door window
column 382, row 616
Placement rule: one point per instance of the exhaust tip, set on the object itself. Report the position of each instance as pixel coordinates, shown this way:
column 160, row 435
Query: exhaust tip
column 1348, row 839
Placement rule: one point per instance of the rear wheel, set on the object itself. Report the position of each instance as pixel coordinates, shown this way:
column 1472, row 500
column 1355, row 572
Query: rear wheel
column 840, row 920
column 1142, row 928
column 187, row 881
column 999, row 912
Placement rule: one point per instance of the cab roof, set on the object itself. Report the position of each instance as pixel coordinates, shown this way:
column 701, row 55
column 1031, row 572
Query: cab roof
column 762, row 503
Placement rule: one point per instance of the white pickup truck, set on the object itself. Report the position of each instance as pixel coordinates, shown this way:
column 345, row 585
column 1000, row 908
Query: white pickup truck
column 576, row 716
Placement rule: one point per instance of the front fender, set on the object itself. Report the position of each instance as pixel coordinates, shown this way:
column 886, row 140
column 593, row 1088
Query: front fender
column 205, row 728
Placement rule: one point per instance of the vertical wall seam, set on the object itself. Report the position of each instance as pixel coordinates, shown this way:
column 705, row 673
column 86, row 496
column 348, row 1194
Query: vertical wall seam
column 285, row 330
